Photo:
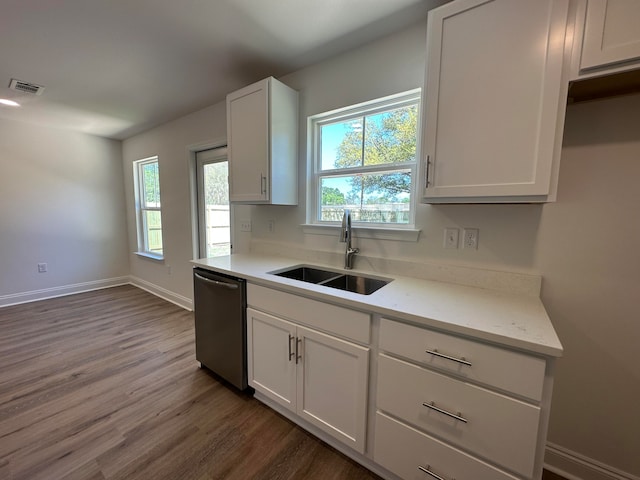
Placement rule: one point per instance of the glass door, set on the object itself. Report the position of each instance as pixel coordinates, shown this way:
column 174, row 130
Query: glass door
column 214, row 216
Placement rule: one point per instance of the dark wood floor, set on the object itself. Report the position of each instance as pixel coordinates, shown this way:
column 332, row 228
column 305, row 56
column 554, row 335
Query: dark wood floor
column 105, row 385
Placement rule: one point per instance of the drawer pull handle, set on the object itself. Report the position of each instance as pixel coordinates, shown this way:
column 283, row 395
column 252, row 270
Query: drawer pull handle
column 291, row 353
column 447, row 357
column 457, row 416
column 429, row 472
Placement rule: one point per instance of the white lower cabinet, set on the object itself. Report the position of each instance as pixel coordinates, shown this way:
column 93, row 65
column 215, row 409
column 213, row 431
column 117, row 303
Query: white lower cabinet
column 411, row 454
column 454, row 408
column 494, row 426
column 272, row 364
column 321, row 378
column 442, row 406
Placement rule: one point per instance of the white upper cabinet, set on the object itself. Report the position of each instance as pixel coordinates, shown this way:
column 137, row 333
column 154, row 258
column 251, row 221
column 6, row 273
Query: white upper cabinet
column 611, row 34
column 494, row 101
column 262, row 138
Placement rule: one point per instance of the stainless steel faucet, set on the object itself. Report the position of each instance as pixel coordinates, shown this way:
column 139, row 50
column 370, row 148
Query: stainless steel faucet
column 345, row 236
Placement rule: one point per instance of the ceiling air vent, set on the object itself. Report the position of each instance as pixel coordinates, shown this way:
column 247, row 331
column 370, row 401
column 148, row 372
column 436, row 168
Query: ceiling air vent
column 26, row 87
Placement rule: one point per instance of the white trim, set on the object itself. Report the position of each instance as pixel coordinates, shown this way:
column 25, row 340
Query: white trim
column 192, row 151
column 574, row 466
column 64, row 290
column 141, row 208
column 151, row 256
column 381, row 104
column 163, row 293
column 217, row 155
column 377, row 233
column 54, row 292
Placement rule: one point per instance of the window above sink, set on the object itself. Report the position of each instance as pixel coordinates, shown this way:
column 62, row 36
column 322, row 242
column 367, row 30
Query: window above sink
column 364, row 159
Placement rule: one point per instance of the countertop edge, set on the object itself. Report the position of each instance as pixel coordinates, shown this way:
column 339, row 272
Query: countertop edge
column 350, row 300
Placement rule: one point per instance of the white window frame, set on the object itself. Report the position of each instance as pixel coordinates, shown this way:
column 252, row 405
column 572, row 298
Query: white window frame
column 143, row 240
column 315, row 123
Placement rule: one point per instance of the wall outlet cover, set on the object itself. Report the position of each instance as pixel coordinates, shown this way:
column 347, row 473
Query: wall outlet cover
column 470, row 238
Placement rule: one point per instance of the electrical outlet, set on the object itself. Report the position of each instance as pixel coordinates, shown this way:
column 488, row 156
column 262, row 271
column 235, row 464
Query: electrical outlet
column 451, row 238
column 168, row 269
column 470, row 238
column 271, row 226
column 245, row 225
column 42, row 268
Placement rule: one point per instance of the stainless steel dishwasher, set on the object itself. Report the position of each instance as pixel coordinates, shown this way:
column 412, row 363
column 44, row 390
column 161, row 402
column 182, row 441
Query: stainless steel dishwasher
column 221, row 333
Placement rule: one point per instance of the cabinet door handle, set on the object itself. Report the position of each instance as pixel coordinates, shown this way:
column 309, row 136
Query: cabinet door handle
column 429, row 472
column 427, row 162
column 298, row 356
column 447, row 357
column 457, row 416
column 291, row 353
column 263, row 184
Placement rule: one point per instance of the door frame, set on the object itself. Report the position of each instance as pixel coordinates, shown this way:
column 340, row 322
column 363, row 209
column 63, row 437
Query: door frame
column 193, row 188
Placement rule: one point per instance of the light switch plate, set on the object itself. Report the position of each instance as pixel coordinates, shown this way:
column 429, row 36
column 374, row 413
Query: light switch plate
column 450, row 238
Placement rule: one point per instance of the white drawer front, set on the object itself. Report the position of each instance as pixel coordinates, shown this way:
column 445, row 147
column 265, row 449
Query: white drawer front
column 322, row 316
column 504, row 369
column 402, row 449
column 498, row 428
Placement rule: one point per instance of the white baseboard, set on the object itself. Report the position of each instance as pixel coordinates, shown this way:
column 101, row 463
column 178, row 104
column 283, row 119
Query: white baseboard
column 163, row 293
column 53, row 292
column 574, row 466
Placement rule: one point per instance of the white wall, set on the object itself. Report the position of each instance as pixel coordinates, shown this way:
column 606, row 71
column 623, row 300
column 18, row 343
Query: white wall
column 392, row 65
column 590, row 276
column 171, row 142
column 61, row 203
column 588, row 251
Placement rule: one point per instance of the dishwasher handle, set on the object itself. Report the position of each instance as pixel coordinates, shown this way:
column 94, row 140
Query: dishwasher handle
column 230, row 286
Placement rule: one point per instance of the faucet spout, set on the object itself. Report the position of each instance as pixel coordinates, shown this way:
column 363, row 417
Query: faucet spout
column 345, row 237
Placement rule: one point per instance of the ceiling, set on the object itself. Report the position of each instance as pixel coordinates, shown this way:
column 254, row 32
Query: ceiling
column 115, row 68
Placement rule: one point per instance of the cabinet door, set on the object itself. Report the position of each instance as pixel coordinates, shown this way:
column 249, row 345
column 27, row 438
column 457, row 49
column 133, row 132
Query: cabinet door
column 248, row 143
column 493, row 107
column 271, row 357
column 332, row 386
column 612, row 33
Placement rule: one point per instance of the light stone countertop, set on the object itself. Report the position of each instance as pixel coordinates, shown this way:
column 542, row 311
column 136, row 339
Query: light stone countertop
column 514, row 320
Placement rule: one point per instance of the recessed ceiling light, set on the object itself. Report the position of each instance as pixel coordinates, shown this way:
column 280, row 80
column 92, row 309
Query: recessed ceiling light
column 10, row 103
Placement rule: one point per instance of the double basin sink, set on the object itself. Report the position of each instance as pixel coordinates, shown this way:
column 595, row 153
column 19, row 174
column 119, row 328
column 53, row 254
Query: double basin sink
column 350, row 283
